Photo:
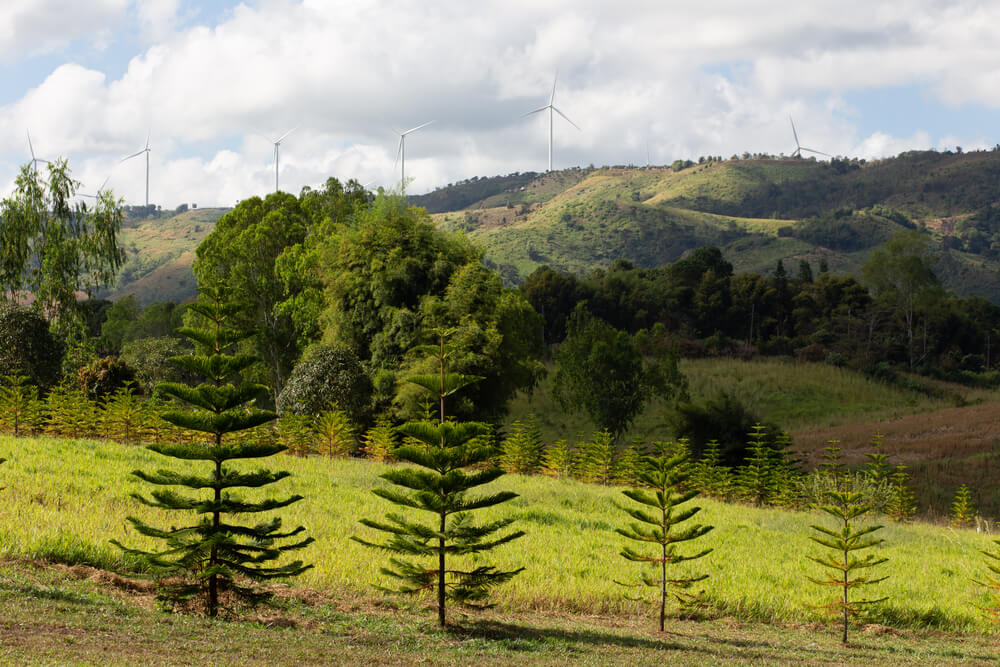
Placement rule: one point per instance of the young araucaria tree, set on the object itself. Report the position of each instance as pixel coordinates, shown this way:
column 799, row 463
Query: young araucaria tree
column 216, row 554
column 843, row 541
column 447, row 465
column 657, row 524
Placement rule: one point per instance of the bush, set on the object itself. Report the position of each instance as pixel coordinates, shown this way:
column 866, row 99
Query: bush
column 722, row 418
column 27, row 347
column 149, row 357
column 104, row 377
column 328, row 376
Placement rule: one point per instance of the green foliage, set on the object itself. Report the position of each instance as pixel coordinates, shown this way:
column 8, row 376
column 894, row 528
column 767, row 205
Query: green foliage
column 595, row 459
column 70, row 413
column 709, row 475
column 379, row 442
column 334, row 433
column 661, row 479
column 558, row 458
column 846, row 568
column 438, row 483
column 599, row 371
column 217, row 552
column 54, row 248
column 628, row 466
column 295, row 432
column 902, row 503
column 992, row 581
column 722, row 418
column 20, row 407
column 104, row 376
column 150, row 359
column 327, row 375
column 28, row 347
column 963, row 511
column 755, row 481
column 125, row 416
column 521, row 450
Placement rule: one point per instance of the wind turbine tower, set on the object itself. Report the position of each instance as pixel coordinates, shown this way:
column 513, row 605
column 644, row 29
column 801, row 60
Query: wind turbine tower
column 146, row 151
column 551, row 107
column 34, row 160
column 401, row 153
column 798, row 147
column 277, row 145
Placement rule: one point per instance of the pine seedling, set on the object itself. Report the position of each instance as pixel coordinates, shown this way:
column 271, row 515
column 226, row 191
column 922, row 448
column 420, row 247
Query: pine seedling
column 595, row 459
column 992, row 582
column 71, row 413
column 521, row 451
column 334, row 433
column 785, row 474
column 19, row 404
column 709, row 475
column 902, row 503
column 380, row 441
column 628, row 466
column 754, row 479
column 445, row 469
column 216, row 554
column 295, row 433
column 843, row 541
column 557, row 460
column 657, row 524
column 878, row 469
column 963, row 511
column 124, row 415
column 832, row 463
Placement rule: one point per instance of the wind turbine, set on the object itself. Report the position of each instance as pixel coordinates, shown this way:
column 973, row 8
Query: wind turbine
column 798, row 147
column 552, row 107
column 401, row 152
column 277, row 145
column 34, row 160
column 146, row 151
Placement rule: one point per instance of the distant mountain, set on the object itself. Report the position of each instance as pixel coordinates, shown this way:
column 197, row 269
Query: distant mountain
column 757, row 210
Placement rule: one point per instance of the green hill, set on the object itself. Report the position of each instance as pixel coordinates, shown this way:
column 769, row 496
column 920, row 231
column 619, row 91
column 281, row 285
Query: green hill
column 757, row 210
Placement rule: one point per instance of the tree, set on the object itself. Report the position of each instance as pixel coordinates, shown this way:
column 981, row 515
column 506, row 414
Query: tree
column 901, row 273
column 328, row 375
column 843, row 540
column 661, row 478
column 28, row 346
column 599, row 371
column 216, row 550
column 54, row 248
column 448, row 462
column 241, row 254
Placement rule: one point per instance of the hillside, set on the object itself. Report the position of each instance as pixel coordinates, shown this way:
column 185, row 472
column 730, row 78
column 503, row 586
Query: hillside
column 159, row 252
column 757, row 210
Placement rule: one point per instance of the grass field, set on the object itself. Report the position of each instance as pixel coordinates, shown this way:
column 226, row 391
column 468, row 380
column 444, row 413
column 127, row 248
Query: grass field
column 64, row 499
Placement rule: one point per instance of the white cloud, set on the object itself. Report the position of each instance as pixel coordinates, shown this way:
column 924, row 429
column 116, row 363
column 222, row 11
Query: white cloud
column 688, row 79
column 34, row 27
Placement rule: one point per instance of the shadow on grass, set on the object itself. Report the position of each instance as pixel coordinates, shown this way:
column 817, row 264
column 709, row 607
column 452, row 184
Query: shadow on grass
column 527, row 638
column 31, row 590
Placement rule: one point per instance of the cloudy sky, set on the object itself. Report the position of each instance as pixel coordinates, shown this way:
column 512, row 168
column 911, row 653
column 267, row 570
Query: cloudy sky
column 212, row 83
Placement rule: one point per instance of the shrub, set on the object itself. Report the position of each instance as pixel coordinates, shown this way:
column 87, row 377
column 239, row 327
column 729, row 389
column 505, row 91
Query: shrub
column 327, row 375
column 104, row 376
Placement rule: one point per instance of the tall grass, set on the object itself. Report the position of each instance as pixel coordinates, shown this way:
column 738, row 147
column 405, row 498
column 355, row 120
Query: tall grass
column 64, row 499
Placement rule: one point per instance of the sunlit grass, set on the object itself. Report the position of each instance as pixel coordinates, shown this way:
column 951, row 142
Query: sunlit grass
column 65, row 499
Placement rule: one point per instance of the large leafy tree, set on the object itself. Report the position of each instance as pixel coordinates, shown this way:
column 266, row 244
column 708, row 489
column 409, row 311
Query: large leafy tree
column 217, row 551
column 55, row 248
column 28, row 347
column 901, row 273
column 599, row 371
column 240, row 254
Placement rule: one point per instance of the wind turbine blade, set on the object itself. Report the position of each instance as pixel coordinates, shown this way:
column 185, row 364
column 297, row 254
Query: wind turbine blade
column 811, row 150
column 535, row 111
column 556, row 109
column 399, row 151
column 794, row 133
column 414, row 129
column 30, row 147
column 129, row 157
column 282, row 137
column 552, row 97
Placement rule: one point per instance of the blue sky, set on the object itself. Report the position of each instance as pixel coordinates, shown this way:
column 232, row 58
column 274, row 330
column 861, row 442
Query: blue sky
column 212, row 82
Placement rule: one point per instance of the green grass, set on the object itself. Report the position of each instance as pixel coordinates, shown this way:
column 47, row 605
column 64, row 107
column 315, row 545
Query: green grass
column 64, row 499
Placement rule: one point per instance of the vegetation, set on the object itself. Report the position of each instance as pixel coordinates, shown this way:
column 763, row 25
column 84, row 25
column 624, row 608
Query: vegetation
column 661, row 477
column 439, row 485
column 215, row 552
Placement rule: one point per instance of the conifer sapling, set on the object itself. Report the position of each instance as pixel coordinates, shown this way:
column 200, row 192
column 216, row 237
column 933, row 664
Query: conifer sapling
column 657, row 523
column 218, row 552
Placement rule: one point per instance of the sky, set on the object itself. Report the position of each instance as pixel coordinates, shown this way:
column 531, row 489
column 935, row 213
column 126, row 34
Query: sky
column 213, row 83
